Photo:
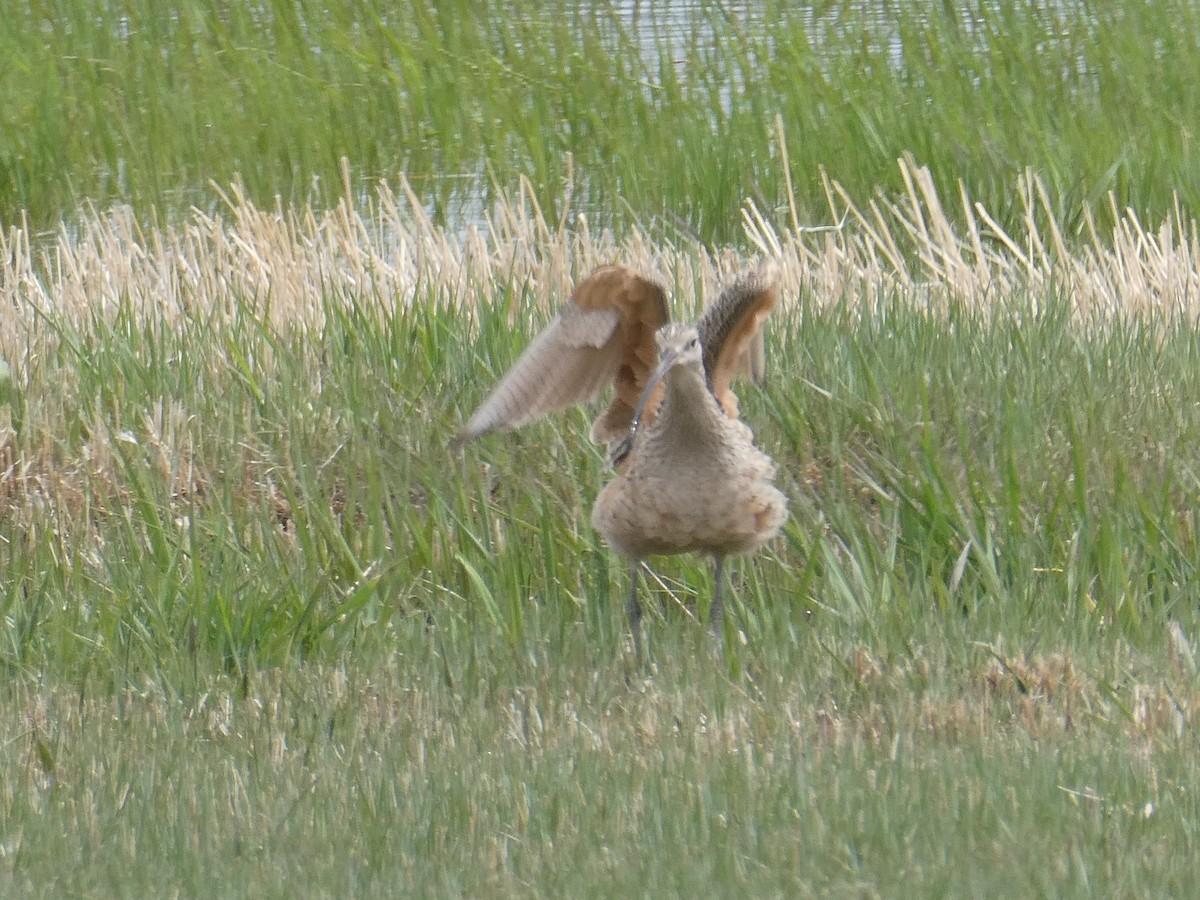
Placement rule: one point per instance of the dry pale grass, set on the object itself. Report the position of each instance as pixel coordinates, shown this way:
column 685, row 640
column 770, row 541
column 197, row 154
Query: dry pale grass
column 910, row 247
column 286, row 266
column 285, row 263
column 1051, row 699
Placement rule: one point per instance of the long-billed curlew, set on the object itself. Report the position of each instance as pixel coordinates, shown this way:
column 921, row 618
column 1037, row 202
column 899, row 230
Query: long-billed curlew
column 689, row 477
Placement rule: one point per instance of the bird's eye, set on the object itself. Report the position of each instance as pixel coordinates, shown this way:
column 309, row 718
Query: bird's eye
column 694, row 342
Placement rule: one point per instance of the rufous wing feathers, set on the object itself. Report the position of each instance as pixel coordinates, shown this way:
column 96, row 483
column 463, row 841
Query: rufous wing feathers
column 731, row 331
column 603, row 335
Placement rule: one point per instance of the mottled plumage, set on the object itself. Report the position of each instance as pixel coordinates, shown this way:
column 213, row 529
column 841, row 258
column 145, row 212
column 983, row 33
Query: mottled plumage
column 603, row 335
column 689, row 478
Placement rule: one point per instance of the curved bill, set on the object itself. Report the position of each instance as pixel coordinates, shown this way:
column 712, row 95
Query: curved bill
column 622, row 448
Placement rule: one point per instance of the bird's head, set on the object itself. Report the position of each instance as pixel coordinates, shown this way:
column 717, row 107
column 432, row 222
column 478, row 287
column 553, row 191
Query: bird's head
column 678, row 345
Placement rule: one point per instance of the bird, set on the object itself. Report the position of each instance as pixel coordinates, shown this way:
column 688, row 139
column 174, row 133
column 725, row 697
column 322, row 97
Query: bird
column 689, row 477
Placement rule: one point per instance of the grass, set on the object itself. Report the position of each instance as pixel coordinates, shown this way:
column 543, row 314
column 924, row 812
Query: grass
column 667, row 120
column 263, row 633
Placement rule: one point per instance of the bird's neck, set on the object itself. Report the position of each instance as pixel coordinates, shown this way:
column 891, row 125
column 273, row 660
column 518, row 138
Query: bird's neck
column 689, row 411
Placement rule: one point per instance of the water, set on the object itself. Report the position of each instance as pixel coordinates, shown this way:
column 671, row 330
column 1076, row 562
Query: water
column 672, row 34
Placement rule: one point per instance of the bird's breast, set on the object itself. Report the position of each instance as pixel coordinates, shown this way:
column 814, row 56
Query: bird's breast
column 674, row 498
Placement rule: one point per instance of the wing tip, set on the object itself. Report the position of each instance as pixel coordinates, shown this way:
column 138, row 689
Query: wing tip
column 485, row 420
column 762, row 277
column 461, row 439
column 465, row 435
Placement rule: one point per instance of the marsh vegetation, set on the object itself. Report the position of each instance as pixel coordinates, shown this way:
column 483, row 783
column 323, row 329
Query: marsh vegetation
column 262, row 634
column 632, row 114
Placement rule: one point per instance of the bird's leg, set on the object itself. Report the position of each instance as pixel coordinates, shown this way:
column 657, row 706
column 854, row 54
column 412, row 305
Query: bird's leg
column 716, row 609
column 634, row 608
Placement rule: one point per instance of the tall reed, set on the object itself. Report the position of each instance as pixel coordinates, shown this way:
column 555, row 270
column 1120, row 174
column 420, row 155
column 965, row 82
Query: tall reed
column 666, row 120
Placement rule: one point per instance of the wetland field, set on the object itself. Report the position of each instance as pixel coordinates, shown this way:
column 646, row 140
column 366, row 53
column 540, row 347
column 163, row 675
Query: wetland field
column 262, row 633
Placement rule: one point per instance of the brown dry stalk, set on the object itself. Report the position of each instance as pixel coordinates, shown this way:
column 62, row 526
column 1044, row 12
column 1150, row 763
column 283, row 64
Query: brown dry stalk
column 287, row 265
column 287, row 262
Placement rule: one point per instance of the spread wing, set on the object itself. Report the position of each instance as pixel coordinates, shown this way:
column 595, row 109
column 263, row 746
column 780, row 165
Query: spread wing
column 731, row 331
column 603, row 335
